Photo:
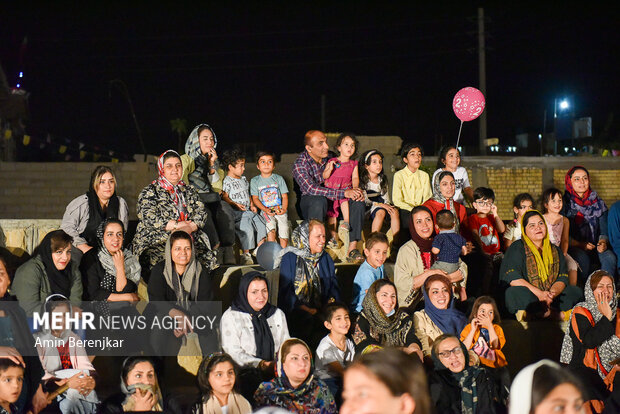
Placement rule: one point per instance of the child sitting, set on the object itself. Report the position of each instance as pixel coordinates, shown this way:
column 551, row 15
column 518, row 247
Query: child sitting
column 341, row 173
column 485, row 227
column 375, row 250
column 270, row 194
column 558, row 228
column 335, row 350
column 448, row 245
column 11, row 381
column 485, row 337
column 521, row 204
column 236, row 192
column 217, row 378
column 412, row 186
column 375, row 184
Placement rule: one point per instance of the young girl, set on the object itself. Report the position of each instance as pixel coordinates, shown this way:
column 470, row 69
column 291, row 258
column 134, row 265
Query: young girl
column 341, row 173
column 216, row 380
column 521, row 204
column 484, row 335
column 558, row 228
column 375, row 183
column 449, row 160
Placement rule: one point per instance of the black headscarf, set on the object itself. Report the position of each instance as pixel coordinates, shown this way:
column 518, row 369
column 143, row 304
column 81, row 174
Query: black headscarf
column 265, row 348
column 60, row 280
column 96, row 214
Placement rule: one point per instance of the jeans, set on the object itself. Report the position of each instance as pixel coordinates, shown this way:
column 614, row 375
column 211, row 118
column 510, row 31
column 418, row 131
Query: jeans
column 588, row 261
column 250, row 228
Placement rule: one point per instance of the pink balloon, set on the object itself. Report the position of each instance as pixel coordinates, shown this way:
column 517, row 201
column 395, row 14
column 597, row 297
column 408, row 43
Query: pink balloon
column 468, row 104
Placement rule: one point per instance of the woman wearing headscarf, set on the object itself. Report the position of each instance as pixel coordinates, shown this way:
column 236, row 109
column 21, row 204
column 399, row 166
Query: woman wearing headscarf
column 85, row 213
column 295, row 388
column 17, row 344
column 439, row 315
column 307, row 281
column 252, row 330
column 140, row 391
column 382, row 324
column 535, row 270
column 178, row 287
column 545, row 387
column 458, row 388
column 444, row 188
column 168, row 205
column 587, row 213
column 109, row 272
column 591, row 344
column 202, row 170
column 50, row 271
column 80, row 397
column 414, row 261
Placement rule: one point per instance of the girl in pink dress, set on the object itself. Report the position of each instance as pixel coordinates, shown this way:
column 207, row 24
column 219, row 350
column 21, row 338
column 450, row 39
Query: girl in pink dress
column 341, row 173
column 558, row 227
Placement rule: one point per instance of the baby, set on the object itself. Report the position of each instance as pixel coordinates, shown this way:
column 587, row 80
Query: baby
column 448, row 245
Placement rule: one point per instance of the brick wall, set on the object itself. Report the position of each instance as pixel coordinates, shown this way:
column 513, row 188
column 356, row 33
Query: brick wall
column 42, row 190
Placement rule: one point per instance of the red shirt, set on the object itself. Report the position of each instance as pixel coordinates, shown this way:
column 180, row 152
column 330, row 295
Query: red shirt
column 436, row 206
column 485, row 228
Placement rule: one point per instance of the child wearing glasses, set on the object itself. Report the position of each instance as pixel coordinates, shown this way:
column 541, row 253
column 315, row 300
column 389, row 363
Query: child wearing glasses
column 486, row 226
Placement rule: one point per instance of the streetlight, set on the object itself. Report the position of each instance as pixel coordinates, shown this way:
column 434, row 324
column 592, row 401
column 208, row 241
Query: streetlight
column 564, row 104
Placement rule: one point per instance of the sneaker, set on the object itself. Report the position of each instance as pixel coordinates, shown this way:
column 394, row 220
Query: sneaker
column 246, row 259
column 332, row 244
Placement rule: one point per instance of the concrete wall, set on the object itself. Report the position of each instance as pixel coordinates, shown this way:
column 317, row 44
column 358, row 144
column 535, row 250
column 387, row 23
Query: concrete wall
column 42, row 190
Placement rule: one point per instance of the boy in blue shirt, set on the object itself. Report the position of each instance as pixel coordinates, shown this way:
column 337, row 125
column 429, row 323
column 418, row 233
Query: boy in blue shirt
column 376, row 252
column 270, row 195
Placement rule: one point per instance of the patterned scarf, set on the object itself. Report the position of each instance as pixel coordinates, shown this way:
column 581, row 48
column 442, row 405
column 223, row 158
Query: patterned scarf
column 466, row 380
column 394, row 328
column 608, row 350
column 448, row 204
column 312, row 396
column 585, row 210
column 542, row 271
column 185, row 287
column 132, row 265
column 199, row 177
column 174, row 190
column 307, row 282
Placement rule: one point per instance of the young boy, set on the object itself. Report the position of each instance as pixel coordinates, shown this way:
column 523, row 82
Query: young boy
column 448, row 245
column 236, row 192
column 412, row 186
column 376, row 252
column 335, row 350
column 11, row 381
column 270, row 194
column 486, row 226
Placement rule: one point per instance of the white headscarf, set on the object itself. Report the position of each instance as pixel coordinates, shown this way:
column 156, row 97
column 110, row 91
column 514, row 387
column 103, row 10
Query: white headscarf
column 521, row 389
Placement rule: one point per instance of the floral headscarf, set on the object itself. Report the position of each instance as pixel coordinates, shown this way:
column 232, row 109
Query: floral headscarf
column 174, row 190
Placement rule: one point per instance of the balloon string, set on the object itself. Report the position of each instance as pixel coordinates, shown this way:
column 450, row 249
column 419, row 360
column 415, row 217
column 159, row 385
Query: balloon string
column 459, row 137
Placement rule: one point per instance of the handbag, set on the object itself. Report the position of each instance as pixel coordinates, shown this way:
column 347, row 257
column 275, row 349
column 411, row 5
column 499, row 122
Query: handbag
column 190, row 353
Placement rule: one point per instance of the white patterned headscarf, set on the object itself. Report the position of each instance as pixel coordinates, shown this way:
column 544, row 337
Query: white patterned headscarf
column 608, row 350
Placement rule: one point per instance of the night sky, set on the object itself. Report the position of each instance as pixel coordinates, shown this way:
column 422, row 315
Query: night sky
column 256, row 71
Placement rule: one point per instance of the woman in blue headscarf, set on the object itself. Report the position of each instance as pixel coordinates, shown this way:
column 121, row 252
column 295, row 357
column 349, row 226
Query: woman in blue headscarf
column 439, row 315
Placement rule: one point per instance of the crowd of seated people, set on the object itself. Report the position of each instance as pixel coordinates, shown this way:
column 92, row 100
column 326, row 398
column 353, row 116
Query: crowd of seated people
column 426, row 339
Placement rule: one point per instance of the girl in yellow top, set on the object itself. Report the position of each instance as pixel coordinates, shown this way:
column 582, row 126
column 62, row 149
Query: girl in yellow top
column 483, row 334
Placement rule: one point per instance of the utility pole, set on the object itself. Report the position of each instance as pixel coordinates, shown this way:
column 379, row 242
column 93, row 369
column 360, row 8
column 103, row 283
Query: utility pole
column 323, row 105
column 482, row 81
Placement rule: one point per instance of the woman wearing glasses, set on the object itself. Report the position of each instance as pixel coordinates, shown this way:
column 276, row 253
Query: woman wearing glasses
column 457, row 387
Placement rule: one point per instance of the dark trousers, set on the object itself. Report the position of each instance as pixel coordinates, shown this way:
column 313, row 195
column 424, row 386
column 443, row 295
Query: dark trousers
column 315, row 207
column 220, row 223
